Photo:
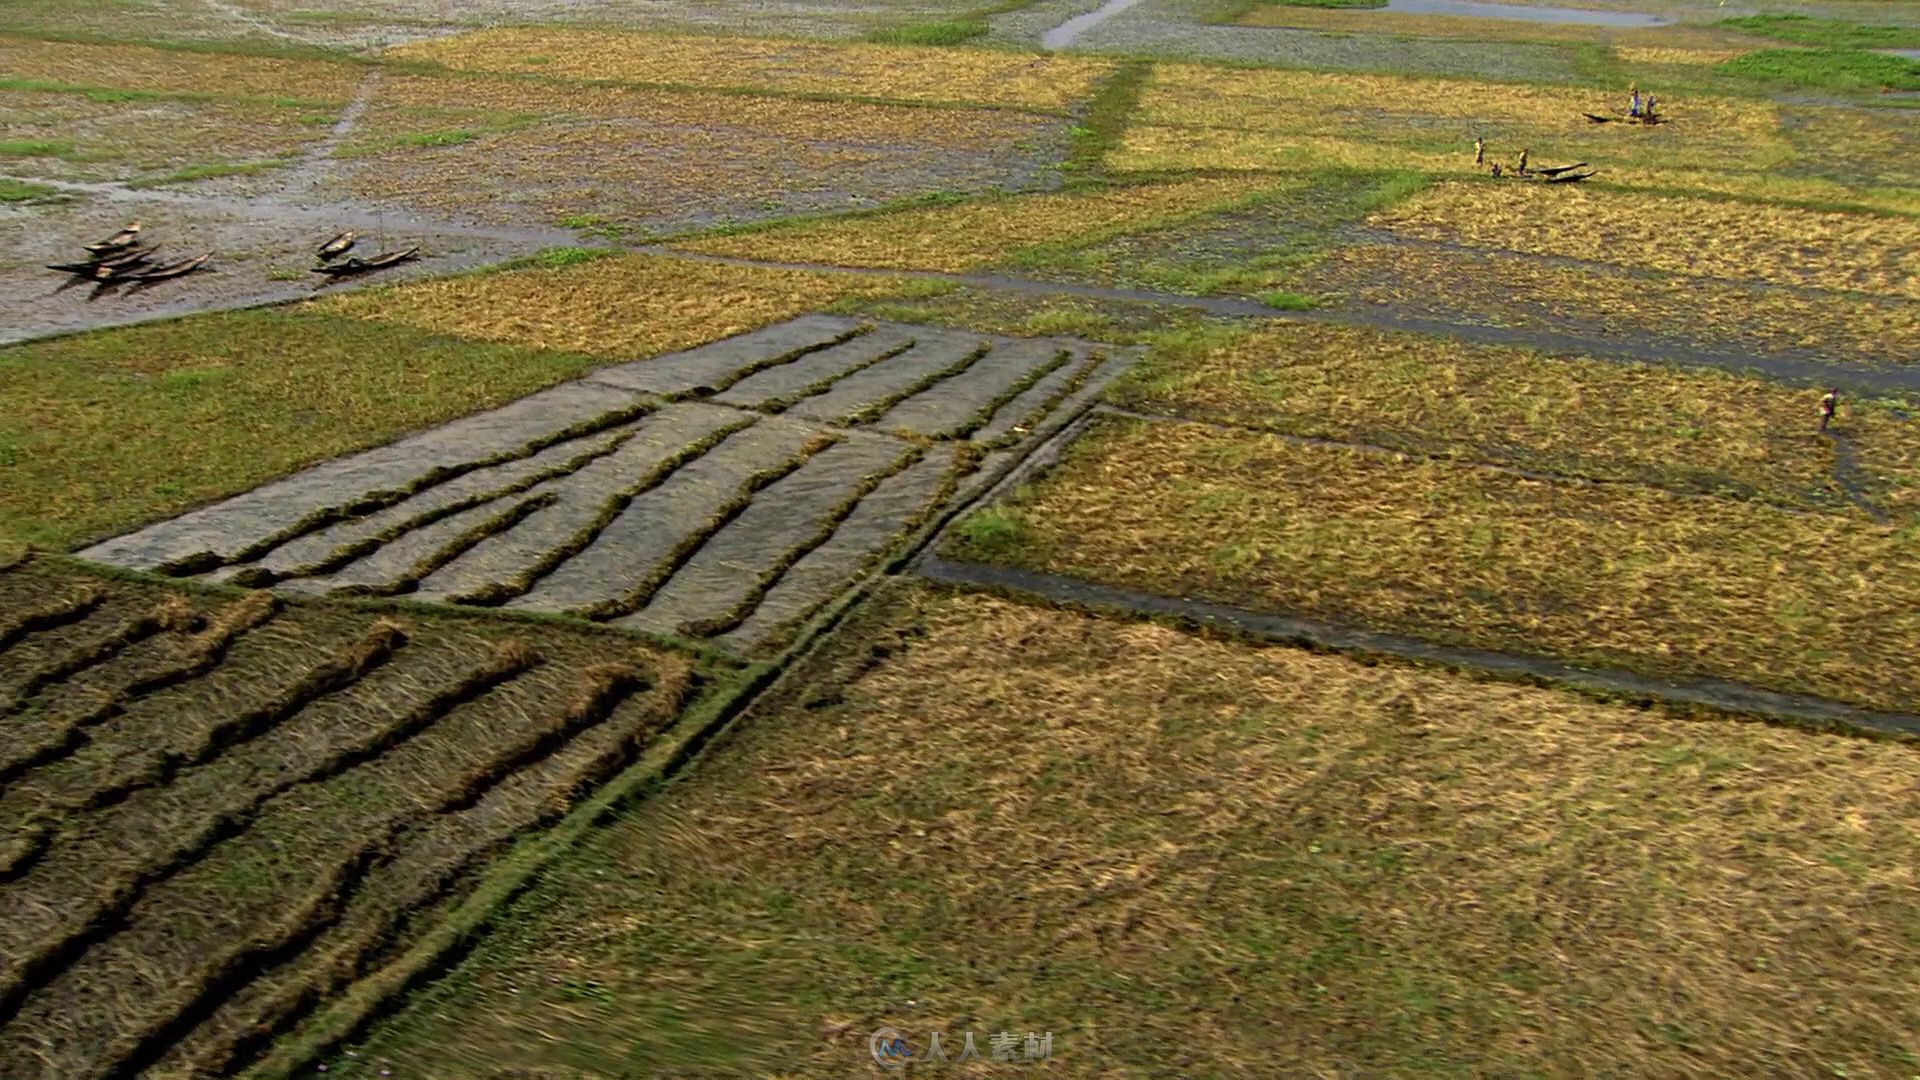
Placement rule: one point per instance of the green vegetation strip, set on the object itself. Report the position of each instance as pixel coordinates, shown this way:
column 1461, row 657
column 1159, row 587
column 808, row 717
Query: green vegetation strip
column 1611, row 576
column 1828, row 69
column 1834, row 33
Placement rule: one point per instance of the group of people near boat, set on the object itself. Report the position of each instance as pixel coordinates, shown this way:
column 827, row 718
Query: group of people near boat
column 1637, row 109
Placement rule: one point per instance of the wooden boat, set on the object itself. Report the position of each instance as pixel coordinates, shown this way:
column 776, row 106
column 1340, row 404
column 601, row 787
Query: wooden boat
column 1649, row 120
column 109, row 268
column 119, row 241
column 1569, row 178
column 362, row 266
column 180, row 268
column 336, row 247
column 1558, row 169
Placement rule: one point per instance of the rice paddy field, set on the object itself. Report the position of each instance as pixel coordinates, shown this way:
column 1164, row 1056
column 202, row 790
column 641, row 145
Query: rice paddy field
column 1105, row 532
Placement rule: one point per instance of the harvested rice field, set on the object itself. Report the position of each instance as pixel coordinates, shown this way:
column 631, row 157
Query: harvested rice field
column 870, row 71
column 1612, row 575
column 1351, row 869
column 1697, row 432
column 220, row 808
column 1723, row 241
column 978, row 234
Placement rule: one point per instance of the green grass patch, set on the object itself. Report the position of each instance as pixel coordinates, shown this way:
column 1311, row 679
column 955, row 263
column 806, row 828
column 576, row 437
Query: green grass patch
column 1282, row 300
column 1832, row 33
column 27, row 148
column 991, row 534
column 556, row 257
column 931, row 32
column 118, row 427
column 1107, row 117
column 1826, row 69
column 22, row 191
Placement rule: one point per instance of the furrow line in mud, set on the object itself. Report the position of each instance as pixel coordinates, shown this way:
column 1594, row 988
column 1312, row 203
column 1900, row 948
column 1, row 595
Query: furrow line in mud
column 176, row 982
column 638, row 593
column 894, row 510
column 874, row 410
column 715, row 387
column 428, row 869
column 37, row 941
column 248, row 526
column 985, row 415
column 1037, row 402
column 735, row 614
column 501, row 590
column 408, row 580
column 821, row 385
column 62, row 735
column 56, row 613
column 1683, row 693
column 380, row 500
column 711, row 369
column 338, row 554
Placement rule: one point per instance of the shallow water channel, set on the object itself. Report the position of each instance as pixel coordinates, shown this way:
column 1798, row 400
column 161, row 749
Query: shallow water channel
column 1524, row 13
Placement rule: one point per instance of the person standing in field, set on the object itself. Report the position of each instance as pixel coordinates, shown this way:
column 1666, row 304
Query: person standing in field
column 1633, row 103
column 1479, row 151
column 1827, row 405
column 1521, row 170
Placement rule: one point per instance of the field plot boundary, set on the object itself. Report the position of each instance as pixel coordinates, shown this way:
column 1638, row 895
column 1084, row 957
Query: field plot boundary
column 1850, row 376
column 1714, row 695
column 440, row 946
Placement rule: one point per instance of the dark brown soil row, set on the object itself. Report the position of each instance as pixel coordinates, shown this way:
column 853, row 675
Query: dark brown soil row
column 171, row 613
column 431, row 866
column 44, row 921
column 260, row 576
column 268, row 894
column 60, row 611
column 872, row 411
column 722, row 622
column 34, row 653
column 260, row 667
column 500, row 592
column 637, row 596
column 380, row 500
column 61, row 732
column 147, row 840
column 820, row 386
